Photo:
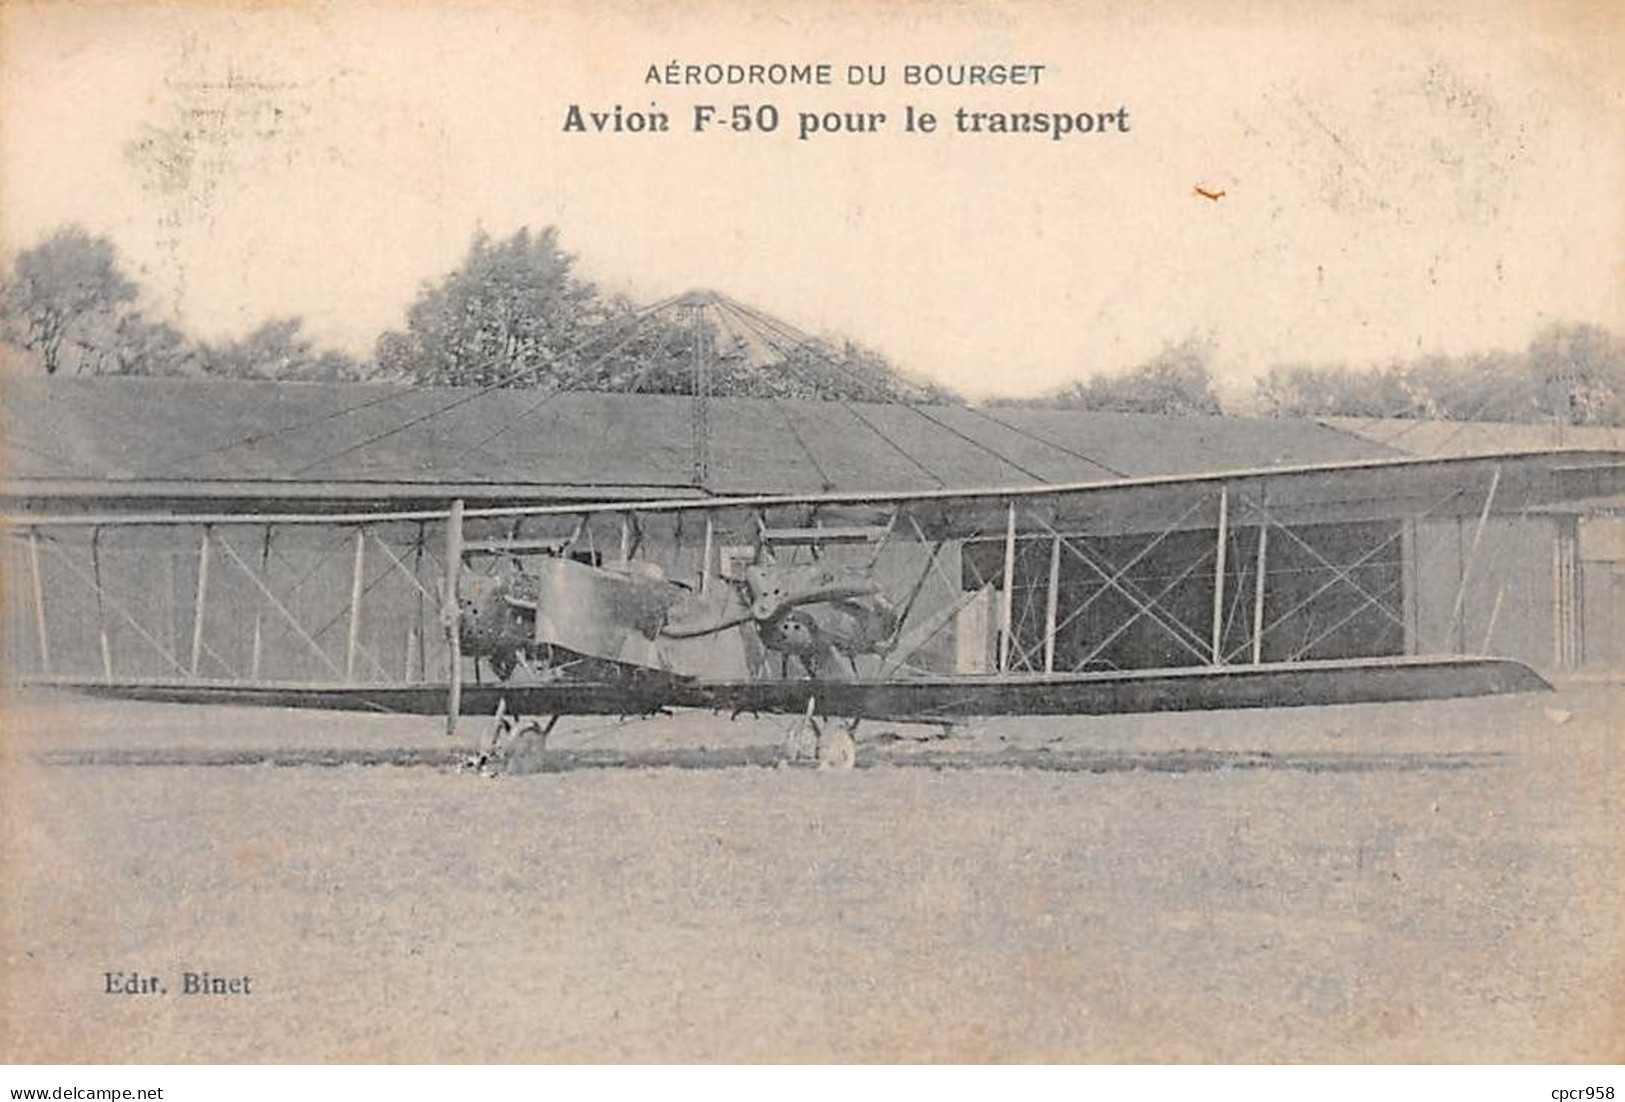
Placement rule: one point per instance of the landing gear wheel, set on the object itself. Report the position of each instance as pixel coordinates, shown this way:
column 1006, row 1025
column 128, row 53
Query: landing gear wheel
column 837, row 748
column 801, row 744
column 526, row 750
column 829, row 743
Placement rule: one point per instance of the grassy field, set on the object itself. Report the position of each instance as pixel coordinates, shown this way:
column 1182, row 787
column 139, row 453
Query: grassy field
column 1375, row 883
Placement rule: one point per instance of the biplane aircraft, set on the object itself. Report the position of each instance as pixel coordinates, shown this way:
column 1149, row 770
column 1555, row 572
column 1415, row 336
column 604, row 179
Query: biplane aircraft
column 933, row 606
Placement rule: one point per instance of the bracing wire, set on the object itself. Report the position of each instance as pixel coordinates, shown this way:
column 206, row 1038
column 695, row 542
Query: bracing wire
column 1047, row 442
column 396, row 394
column 802, row 340
column 641, row 319
column 461, row 400
column 859, row 417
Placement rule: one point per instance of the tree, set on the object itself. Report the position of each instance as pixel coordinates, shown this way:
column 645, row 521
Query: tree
column 60, row 295
column 131, row 344
column 1480, row 386
column 1309, row 390
column 850, row 372
column 653, row 353
column 278, row 349
column 1572, row 372
column 1577, row 372
column 512, row 312
column 1176, row 382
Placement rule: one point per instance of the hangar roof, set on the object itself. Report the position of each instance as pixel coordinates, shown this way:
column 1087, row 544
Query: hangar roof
column 186, row 438
column 1444, row 439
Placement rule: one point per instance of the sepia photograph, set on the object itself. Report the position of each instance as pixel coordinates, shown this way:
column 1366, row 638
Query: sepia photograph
column 812, row 533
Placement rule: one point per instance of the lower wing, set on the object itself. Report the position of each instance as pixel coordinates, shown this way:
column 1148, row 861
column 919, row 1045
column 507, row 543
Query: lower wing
column 1196, row 688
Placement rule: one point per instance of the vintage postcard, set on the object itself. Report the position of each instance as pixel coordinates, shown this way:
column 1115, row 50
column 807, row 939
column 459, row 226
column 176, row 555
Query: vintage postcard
column 812, row 532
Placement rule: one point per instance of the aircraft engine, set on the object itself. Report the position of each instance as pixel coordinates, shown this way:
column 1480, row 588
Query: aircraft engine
column 491, row 624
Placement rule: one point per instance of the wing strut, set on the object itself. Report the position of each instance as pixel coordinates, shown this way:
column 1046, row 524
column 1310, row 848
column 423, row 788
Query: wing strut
column 449, row 616
column 200, row 599
column 101, row 604
column 1258, row 589
column 1052, row 603
column 1007, row 606
column 41, row 635
column 1457, row 624
column 1218, row 576
column 358, row 576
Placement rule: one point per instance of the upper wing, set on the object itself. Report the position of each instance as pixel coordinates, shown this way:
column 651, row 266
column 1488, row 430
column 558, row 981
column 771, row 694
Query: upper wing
column 1302, row 494
column 1347, row 491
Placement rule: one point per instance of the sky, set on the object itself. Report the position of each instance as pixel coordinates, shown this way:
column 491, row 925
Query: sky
column 1397, row 180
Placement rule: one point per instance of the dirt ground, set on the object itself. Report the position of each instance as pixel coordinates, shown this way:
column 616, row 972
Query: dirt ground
column 1371, row 883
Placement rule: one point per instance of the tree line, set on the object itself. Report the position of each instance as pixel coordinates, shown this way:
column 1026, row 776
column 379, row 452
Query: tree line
column 515, row 312
column 1570, row 372
column 68, row 308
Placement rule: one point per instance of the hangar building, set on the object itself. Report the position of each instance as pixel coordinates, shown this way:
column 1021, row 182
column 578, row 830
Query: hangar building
column 1340, row 585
